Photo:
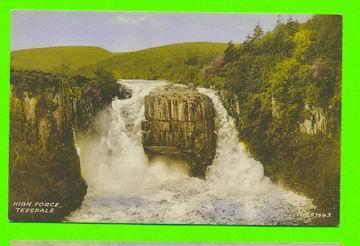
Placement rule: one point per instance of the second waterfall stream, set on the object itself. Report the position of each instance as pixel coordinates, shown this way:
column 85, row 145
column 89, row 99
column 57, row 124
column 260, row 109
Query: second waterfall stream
column 125, row 187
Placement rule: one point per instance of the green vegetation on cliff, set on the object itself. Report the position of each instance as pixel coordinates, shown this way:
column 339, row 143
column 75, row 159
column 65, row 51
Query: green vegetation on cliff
column 284, row 89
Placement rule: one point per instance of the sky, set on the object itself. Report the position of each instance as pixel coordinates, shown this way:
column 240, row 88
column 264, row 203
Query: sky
column 126, row 31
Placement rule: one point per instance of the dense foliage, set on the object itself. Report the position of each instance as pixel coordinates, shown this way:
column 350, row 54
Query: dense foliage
column 100, row 88
column 279, row 80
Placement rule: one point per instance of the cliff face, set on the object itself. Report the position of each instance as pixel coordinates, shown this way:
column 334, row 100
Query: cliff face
column 295, row 149
column 314, row 122
column 45, row 113
column 180, row 123
column 44, row 165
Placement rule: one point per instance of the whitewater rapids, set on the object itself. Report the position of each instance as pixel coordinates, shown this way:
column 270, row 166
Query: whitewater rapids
column 125, row 187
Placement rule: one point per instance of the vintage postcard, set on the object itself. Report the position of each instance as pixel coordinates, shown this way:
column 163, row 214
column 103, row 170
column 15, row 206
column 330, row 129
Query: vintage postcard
column 175, row 118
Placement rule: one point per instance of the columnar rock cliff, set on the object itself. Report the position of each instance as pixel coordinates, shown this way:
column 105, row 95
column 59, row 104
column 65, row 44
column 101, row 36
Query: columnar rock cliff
column 180, row 123
column 45, row 112
column 44, row 165
column 314, row 122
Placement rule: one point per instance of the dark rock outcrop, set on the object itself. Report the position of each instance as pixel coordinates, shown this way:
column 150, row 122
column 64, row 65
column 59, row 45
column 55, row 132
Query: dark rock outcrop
column 180, row 123
column 46, row 110
column 44, row 165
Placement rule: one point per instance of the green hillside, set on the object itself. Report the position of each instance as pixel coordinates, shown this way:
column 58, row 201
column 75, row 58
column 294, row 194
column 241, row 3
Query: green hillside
column 56, row 58
column 176, row 61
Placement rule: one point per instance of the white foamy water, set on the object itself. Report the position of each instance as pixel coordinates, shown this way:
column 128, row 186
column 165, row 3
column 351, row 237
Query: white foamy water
column 124, row 187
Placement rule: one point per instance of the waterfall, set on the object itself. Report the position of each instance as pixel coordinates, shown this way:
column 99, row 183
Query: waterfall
column 124, row 186
column 233, row 169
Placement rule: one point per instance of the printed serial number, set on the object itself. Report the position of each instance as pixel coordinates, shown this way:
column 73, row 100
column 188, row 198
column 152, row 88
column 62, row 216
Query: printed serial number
column 320, row 215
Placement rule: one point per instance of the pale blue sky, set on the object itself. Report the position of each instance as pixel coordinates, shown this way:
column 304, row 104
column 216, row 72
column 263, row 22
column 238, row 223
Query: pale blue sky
column 124, row 31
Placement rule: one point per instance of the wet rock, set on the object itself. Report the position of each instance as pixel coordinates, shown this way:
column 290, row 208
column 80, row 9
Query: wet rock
column 179, row 122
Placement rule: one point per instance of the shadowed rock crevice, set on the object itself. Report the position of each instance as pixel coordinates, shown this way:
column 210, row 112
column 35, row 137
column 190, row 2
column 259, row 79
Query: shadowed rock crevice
column 179, row 122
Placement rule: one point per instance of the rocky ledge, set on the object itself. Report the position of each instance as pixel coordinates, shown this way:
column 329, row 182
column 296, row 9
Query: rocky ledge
column 179, row 122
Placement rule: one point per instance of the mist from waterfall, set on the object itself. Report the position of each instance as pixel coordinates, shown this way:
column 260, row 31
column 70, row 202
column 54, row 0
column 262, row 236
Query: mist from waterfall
column 124, row 186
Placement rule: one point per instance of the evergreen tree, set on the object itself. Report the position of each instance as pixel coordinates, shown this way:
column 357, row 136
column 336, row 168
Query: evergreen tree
column 258, row 33
column 230, row 53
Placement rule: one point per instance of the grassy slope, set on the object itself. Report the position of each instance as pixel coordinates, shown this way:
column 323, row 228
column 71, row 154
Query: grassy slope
column 159, row 62
column 51, row 59
column 156, row 62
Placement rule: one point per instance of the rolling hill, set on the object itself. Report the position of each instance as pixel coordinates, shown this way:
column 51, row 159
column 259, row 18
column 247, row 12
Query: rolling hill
column 52, row 58
column 174, row 61
column 163, row 62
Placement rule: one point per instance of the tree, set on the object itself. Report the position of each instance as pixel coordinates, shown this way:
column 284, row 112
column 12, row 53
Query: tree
column 302, row 44
column 230, row 53
column 108, row 85
column 258, row 33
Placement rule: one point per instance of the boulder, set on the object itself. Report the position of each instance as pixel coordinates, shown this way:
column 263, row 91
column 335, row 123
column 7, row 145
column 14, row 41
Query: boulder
column 179, row 122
